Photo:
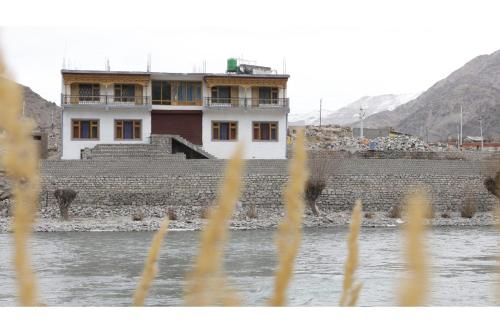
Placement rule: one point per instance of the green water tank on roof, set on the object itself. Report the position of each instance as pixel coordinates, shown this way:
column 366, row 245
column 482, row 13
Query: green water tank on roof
column 232, row 65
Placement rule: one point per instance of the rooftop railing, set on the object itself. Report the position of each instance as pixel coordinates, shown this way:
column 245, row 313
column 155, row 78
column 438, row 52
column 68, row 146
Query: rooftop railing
column 105, row 99
column 218, row 102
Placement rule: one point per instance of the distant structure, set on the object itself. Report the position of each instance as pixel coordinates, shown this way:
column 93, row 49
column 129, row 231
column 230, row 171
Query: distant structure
column 212, row 111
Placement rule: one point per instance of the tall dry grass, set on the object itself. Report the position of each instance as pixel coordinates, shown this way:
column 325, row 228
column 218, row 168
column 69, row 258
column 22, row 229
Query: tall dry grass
column 289, row 230
column 206, row 283
column 20, row 161
column 414, row 288
column 150, row 266
column 351, row 290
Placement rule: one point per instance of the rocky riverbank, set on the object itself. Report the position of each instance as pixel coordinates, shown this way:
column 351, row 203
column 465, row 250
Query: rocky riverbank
column 270, row 221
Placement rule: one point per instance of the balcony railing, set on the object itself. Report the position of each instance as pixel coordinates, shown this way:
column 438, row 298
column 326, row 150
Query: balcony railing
column 105, row 100
column 217, row 102
column 179, row 102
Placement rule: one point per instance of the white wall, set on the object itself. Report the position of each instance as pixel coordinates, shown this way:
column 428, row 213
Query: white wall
column 71, row 148
column 253, row 149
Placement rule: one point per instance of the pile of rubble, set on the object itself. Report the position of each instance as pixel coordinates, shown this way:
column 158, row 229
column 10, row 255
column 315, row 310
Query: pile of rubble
column 398, row 142
column 338, row 138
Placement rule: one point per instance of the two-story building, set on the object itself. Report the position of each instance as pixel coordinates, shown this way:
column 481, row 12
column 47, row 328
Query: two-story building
column 214, row 111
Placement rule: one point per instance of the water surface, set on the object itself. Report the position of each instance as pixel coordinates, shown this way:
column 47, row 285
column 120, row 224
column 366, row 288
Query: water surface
column 102, row 268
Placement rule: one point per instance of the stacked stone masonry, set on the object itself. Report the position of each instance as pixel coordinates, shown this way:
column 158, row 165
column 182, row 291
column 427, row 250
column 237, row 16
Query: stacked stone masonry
column 187, row 183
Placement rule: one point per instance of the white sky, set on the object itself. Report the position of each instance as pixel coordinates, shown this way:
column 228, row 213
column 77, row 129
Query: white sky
column 335, row 50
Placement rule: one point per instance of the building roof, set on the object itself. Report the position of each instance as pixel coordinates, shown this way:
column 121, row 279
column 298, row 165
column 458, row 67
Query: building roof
column 78, row 71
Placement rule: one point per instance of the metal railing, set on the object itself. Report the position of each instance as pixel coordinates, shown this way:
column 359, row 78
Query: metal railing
column 105, row 99
column 179, row 102
column 246, row 102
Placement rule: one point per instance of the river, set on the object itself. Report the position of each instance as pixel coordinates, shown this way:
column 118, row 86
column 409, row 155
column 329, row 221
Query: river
column 102, row 268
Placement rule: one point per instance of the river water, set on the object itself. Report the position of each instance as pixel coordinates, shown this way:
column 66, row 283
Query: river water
column 102, row 268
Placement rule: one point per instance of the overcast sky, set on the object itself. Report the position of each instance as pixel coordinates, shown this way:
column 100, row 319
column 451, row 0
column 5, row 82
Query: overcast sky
column 335, row 50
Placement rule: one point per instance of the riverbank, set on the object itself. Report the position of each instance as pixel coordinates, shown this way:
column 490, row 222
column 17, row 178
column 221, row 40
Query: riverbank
column 151, row 223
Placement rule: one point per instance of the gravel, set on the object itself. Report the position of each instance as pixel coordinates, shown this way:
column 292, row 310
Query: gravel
column 269, row 221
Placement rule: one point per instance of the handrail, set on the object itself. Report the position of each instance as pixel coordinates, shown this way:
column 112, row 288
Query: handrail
column 222, row 102
column 104, row 99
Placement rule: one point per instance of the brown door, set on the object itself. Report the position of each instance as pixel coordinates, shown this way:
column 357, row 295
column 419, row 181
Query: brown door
column 184, row 123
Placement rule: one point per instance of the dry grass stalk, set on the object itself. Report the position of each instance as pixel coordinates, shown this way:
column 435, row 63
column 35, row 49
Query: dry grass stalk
column 20, row 160
column 150, row 266
column 289, row 230
column 414, row 288
column 350, row 290
column 205, row 283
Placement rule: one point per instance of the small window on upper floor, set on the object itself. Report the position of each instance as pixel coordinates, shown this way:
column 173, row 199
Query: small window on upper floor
column 125, row 93
column 268, row 95
column 221, row 94
column 88, row 92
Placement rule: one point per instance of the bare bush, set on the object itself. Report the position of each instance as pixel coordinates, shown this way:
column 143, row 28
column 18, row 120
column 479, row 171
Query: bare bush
column 369, row 215
column 252, row 212
column 468, row 208
column 318, row 167
column 64, row 199
column 445, row 215
column 492, row 184
column 138, row 216
column 5, row 190
column 395, row 211
column 171, row 214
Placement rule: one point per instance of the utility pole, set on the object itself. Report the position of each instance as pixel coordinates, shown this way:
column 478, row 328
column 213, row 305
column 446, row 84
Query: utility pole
column 361, row 117
column 458, row 138
column 481, row 129
column 427, row 134
column 461, row 126
column 320, row 107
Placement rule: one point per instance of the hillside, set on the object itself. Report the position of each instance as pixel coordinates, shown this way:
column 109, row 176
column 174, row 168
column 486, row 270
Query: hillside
column 349, row 113
column 47, row 116
column 475, row 87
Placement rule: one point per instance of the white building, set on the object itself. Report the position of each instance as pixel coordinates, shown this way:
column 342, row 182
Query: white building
column 214, row 111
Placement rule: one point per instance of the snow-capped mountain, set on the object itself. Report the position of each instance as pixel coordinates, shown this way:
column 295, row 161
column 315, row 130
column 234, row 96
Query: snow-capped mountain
column 349, row 113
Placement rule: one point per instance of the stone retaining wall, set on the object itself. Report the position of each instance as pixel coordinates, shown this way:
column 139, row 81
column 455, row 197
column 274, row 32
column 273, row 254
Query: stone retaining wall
column 379, row 183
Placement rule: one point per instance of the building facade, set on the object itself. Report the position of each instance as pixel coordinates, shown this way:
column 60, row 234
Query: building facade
column 214, row 111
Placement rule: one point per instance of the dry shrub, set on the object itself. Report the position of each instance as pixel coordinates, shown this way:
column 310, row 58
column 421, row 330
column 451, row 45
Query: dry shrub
column 369, row 215
column 414, row 287
column 350, row 290
column 206, row 284
column 205, row 212
column 150, row 266
column 468, row 208
column 395, row 211
column 172, row 216
column 316, row 183
column 64, row 199
column 445, row 215
column 138, row 216
column 252, row 212
column 20, row 161
column 289, row 230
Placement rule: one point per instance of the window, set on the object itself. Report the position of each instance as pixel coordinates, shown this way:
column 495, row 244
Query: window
column 268, row 95
column 265, row 131
column 177, row 92
column 85, row 129
column 221, row 94
column 224, row 130
column 162, row 92
column 88, row 92
column 128, row 129
column 124, row 92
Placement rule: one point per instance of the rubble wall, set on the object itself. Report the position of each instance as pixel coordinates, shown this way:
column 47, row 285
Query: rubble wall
column 379, row 183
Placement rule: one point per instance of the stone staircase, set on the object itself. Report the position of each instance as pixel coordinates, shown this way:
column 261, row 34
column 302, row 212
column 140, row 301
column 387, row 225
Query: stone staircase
column 131, row 152
column 192, row 146
column 162, row 147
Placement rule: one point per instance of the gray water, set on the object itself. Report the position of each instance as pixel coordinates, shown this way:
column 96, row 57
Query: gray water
column 102, row 268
